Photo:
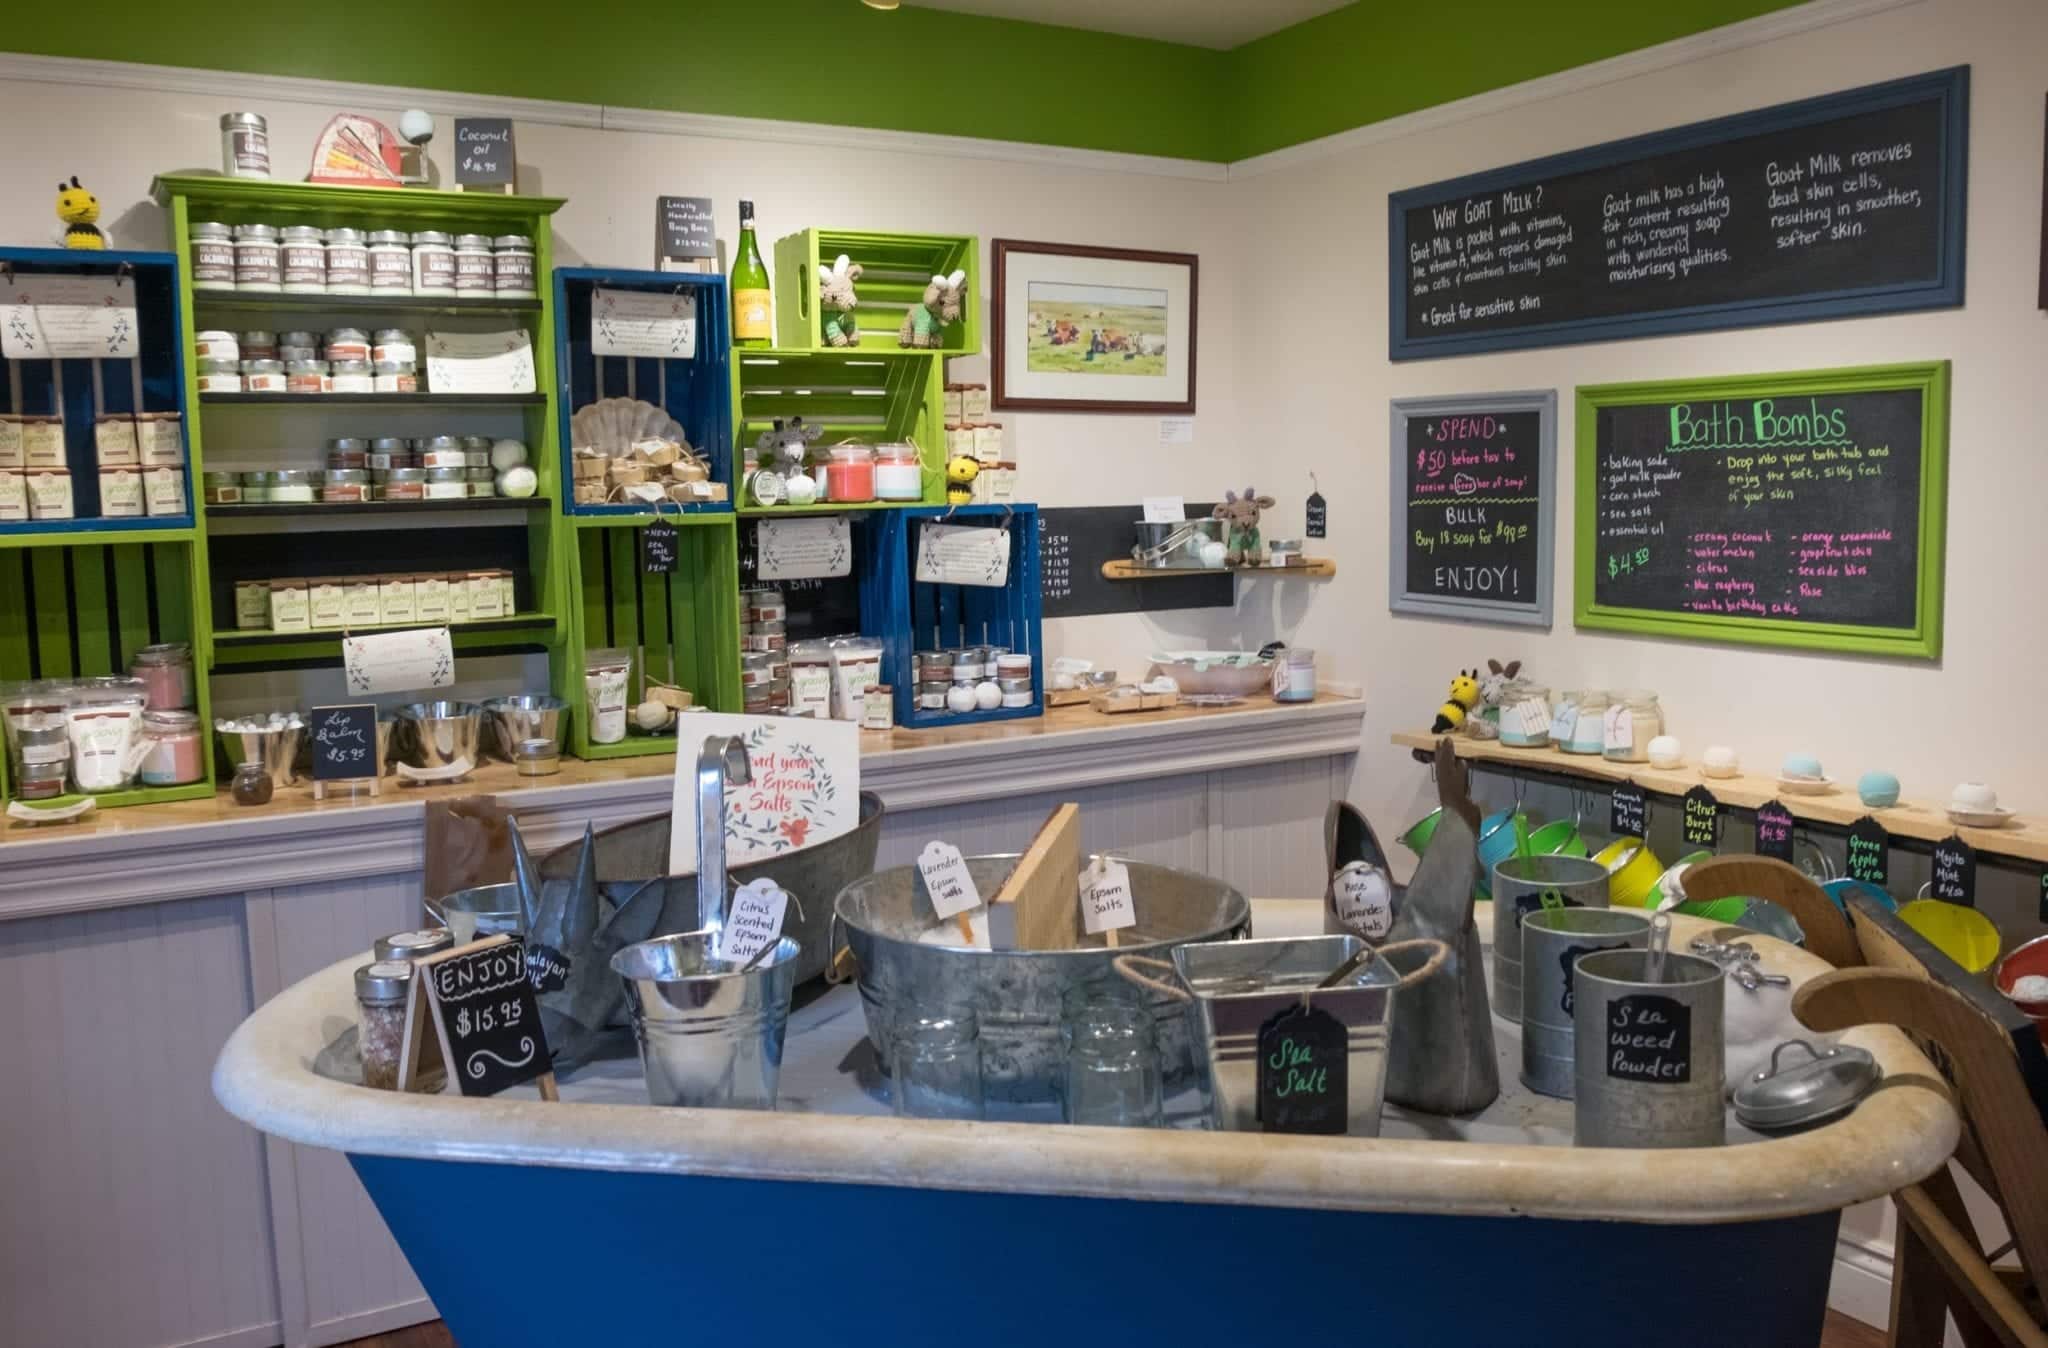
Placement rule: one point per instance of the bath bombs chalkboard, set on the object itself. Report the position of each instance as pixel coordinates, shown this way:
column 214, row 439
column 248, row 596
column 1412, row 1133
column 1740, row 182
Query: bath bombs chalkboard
column 1782, row 510
column 1471, row 504
column 1649, row 1038
column 1847, row 204
column 1303, row 1072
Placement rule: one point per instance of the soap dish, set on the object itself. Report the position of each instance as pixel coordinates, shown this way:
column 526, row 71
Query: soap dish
column 1806, row 786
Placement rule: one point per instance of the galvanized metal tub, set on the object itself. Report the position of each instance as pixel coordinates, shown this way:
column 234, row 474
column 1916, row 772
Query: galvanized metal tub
column 1016, row 993
column 631, row 854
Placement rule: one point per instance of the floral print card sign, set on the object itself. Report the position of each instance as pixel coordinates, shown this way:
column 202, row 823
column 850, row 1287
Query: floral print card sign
column 805, row 788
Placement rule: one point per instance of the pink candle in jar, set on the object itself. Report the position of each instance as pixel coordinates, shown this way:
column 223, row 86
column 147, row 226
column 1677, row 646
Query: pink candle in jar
column 850, row 473
column 166, row 674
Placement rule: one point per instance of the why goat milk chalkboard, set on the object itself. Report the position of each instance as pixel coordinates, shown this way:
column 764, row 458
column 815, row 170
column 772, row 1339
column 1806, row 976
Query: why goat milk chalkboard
column 1781, row 510
column 1471, row 501
column 1847, row 204
column 1073, row 544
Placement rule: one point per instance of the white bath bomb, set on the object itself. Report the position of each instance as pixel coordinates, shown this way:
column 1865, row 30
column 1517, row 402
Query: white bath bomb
column 1666, row 751
column 988, row 695
column 960, row 697
column 518, row 482
column 507, row 454
column 803, row 488
column 652, row 715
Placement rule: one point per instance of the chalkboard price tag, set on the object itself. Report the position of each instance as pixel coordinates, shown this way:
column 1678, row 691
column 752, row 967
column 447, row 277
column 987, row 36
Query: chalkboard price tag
column 1955, row 871
column 1702, row 818
column 1628, row 811
column 344, row 742
column 659, row 547
column 1649, row 1038
column 2041, row 911
column 1774, row 831
column 685, row 229
column 480, row 998
column 1869, row 851
column 1318, row 516
column 1303, row 1072
column 1569, row 958
column 484, row 153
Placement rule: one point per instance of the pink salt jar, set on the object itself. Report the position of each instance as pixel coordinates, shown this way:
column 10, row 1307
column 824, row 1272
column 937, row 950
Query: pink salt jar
column 166, row 674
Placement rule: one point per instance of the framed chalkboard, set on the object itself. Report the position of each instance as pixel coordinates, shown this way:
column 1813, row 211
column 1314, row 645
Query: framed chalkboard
column 1471, row 498
column 480, row 1001
column 1073, row 543
column 1825, row 208
column 344, row 745
column 1802, row 509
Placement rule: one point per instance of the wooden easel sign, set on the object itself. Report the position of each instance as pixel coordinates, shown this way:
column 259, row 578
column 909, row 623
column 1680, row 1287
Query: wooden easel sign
column 483, row 1012
column 344, row 741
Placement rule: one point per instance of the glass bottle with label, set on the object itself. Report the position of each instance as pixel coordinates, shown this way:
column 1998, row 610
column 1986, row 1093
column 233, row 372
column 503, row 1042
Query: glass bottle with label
column 753, row 307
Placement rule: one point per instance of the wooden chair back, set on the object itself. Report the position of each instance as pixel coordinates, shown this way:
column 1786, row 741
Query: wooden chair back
column 1827, row 928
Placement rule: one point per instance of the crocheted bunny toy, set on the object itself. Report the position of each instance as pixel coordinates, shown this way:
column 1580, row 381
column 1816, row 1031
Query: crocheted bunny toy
column 836, row 302
column 924, row 324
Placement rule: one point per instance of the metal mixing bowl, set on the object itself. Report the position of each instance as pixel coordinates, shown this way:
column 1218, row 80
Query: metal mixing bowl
column 528, row 716
column 438, row 734
column 1199, row 675
column 276, row 750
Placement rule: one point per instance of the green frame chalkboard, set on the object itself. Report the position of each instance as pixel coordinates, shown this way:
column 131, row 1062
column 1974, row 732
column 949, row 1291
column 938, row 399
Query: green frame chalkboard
column 1921, row 640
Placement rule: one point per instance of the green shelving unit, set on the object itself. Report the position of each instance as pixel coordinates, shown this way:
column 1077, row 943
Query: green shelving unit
column 895, row 268
column 874, row 396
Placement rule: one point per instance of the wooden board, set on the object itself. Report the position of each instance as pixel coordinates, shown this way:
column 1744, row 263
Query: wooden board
column 1043, row 893
column 1311, row 568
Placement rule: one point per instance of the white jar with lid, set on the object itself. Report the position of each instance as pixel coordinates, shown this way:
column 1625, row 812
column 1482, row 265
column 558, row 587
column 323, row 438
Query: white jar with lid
column 348, row 262
column 258, row 265
column 390, row 262
column 220, row 376
column 304, row 260
column 433, row 263
column 213, row 255
column 475, row 264
column 244, row 145
column 393, row 344
column 512, row 267
column 263, row 376
column 351, row 376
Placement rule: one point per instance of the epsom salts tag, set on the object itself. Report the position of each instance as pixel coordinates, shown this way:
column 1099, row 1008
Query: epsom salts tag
column 1869, row 851
column 659, row 545
column 1702, row 818
column 946, row 879
column 1774, row 831
column 483, row 1009
column 754, row 920
column 1649, row 1038
column 1365, row 901
column 1628, row 812
column 1302, row 1072
column 1106, row 903
column 1955, row 871
column 963, row 554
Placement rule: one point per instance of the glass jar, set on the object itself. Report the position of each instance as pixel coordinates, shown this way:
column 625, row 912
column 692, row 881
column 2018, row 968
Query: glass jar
column 1589, row 724
column 476, row 452
column 244, row 145
column 171, row 753
column 350, row 376
column 1630, row 723
column 391, row 451
column 297, row 344
column 263, row 376
column 394, row 376
column 1524, row 714
column 217, row 344
column 764, row 637
column 763, row 605
column 258, row 264
column 390, row 262
column 402, row 484
column 348, row 262
column 258, row 344
column 1113, row 1075
column 348, row 344
column 433, row 263
column 899, row 476
column 213, row 255
column 482, row 481
column 166, row 674
column 1294, row 675
column 443, row 451
column 305, row 376
column 446, row 484
column 345, row 486
column 383, row 990
column 512, row 267
column 304, row 260
column 291, row 486
column 348, row 452
column 395, row 344
column 850, row 473
column 252, row 785
column 223, row 489
column 935, row 1063
column 475, row 265
column 412, row 945
column 220, row 376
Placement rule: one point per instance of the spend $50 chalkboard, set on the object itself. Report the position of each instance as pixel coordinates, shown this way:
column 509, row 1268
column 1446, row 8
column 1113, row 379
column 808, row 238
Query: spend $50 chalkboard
column 1784, row 510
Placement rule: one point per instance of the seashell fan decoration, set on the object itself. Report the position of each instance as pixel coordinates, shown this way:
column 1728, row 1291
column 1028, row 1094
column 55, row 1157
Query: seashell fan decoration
column 630, row 452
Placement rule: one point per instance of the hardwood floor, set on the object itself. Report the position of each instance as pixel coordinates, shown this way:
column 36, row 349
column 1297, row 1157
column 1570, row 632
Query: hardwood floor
column 1844, row 1332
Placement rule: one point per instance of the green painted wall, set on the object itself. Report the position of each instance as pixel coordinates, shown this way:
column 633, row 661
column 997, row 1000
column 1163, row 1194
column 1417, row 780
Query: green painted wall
column 834, row 61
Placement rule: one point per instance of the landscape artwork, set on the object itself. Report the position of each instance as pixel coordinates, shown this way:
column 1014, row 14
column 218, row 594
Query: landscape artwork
column 1096, row 329
column 1068, row 314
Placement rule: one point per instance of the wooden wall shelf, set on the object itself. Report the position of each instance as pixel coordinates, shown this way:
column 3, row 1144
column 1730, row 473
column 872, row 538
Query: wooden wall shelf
column 1313, row 568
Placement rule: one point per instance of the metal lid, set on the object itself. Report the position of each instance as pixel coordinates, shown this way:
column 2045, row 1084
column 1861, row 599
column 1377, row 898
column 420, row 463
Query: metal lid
column 347, row 335
column 352, row 367
column 474, row 442
column 446, row 474
column 217, row 479
column 412, row 945
column 348, row 442
column 439, row 442
column 170, row 721
column 473, row 241
column 397, row 236
column 255, row 231
column 384, row 336
column 306, row 367
column 229, row 121
column 344, row 234
column 209, row 229
column 1826, row 1085
column 430, row 236
column 391, row 444
column 384, row 982
column 504, row 241
column 294, row 477
column 165, row 653
column 402, row 475
column 394, row 367
column 342, row 477
column 262, row 367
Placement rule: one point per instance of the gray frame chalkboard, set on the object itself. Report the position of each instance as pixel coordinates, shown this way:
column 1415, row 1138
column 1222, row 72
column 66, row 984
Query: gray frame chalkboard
column 1400, row 597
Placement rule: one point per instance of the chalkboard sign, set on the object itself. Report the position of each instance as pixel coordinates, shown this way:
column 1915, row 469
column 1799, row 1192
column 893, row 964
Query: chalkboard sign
column 484, row 153
column 1869, row 851
column 1471, row 502
column 344, row 741
column 1843, row 205
column 1073, row 543
column 658, row 548
column 1649, row 1038
column 1784, row 510
column 1317, row 516
column 481, row 1000
column 1628, row 812
column 683, row 228
column 1955, row 871
column 1303, row 1072
column 1774, row 831
column 1702, row 824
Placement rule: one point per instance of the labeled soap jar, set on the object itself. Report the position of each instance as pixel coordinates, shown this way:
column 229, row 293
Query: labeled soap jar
column 763, row 605
column 259, row 264
column 1588, row 734
column 446, row 484
column 433, row 263
column 400, row 484
column 1630, row 723
column 223, row 489
column 171, row 753
column 217, row 344
column 390, row 262
column 345, row 486
column 220, row 376
column 395, row 344
column 442, row 451
column 512, row 267
column 348, row 262
column 387, row 452
column 899, row 476
column 263, row 376
column 294, row 486
column 348, row 344
column 1524, row 715
column 348, row 452
column 475, row 267
column 213, row 255
column 165, row 671
column 244, row 145
column 305, row 376
column 394, row 376
column 303, row 255
column 350, row 376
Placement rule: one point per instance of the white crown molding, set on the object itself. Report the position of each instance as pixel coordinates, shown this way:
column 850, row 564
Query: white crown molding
column 1679, row 51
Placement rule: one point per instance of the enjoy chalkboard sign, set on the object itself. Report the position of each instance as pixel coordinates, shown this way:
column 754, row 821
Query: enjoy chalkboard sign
column 1774, row 831
column 1869, row 852
column 1303, row 1072
column 1471, row 505
column 480, row 999
column 1785, row 510
column 1649, row 1038
column 1842, row 205
column 1074, row 542
column 1628, row 811
column 1702, row 823
column 484, row 152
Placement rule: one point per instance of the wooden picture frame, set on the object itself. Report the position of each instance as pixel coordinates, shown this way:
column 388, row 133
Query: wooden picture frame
column 1026, row 373
column 2044, row 210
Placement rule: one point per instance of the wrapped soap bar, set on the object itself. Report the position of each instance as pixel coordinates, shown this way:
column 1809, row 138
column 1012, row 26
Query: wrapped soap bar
column 49, row 494
column 160, row 439
column 113, row 438
column 163, row 491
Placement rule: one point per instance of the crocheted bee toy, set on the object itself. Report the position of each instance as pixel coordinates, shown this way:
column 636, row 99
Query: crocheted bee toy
column 1464, row 697
column 79, row 210
column 924, row 324
column 961, row 470
column 836, row 302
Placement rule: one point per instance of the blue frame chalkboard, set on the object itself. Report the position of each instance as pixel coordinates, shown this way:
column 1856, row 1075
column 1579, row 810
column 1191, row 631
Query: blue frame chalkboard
column 1951, row 86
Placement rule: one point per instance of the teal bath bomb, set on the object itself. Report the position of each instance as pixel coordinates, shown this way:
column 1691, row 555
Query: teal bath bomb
column 1877, row 789
column 1801, row 765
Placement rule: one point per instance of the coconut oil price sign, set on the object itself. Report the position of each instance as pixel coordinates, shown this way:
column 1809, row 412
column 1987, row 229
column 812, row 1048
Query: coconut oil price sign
column 1803, row 509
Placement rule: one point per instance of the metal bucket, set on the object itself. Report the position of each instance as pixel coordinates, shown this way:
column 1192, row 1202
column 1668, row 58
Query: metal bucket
column 440, row 734
column 1552, row 940
column 1519, row 888
column 1016, row 993
column 710, row 1033
column 1176, row 545
column 1647, row 1056
column 485, row 910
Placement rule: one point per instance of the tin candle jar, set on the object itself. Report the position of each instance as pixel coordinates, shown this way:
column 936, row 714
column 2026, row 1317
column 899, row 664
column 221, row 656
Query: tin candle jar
column 390, row 262
column 213, row 256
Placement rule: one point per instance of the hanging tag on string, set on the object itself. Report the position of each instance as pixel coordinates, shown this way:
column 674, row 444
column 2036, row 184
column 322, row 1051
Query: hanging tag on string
column 1318, row 510
column 1364, row 900
column 754, row 921
column 1106, row 898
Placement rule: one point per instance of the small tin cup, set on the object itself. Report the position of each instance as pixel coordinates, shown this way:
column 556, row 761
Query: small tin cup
column 1521, row 887
column 1647, row 1057
column 1552, row 941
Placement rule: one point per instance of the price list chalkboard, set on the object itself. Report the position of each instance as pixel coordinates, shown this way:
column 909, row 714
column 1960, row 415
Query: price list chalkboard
column 1470, row 499
column 1846, row 204
column 1074, row 542
column 1792, row 510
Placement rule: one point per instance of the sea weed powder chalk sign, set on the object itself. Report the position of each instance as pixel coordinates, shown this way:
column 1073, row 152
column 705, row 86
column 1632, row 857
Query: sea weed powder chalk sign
column 1649, row 1038
column 1303, row 1073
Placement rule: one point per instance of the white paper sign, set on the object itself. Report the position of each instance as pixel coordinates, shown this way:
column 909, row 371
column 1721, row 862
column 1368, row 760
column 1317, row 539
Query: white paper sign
column 480, row 362
column 1106, row 903
column 946, row 879
column 639, row 323
column 804, row 549
column 398, row 662
column 963, row 554
column 1531, row 717
column 1365, row 900
column 1618, row 728
column 1165, row 509
column 1176, row 430
column 72, row 317
column 805, row 788
column 1564, row 722
column 753, row 920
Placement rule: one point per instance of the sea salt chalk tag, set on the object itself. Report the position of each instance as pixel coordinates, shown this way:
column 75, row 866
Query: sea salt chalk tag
column 1365, row 901
column 398, row 662
column 946, row 879
column 952, row 554
column 753, row 922
column 1106, row 903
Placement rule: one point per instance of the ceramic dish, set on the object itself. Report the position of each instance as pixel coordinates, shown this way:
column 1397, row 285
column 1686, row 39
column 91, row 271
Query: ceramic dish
column 1806, row 786
column 1997, row 817
column 1720, row 771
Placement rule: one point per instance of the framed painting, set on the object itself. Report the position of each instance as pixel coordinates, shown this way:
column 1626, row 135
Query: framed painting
column 1084, row 329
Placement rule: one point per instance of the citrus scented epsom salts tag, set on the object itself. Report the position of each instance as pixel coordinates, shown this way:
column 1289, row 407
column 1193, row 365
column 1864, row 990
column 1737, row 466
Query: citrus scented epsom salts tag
column 1106, row 903
column 753, row 922
column 946, row 879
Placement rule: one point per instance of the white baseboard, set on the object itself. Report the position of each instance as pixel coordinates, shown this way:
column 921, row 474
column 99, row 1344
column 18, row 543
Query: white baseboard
column 1861, row 1286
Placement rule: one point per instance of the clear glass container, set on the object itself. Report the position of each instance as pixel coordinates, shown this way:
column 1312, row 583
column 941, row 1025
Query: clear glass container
column 252, row 784
column 935, row 1063
column 1294, row 675
column 850, row 473
column 1588, row 725
column 172, row 748
column 899, row 476
column 382, row 990
column 1113, row 1076
column 1631, row 721
column 166, row 674
column 1524, row 714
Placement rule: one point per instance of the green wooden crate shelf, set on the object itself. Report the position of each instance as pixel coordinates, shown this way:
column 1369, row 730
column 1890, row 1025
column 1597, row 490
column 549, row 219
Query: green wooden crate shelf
column 407, row 401
column 66, row 533
column 855, row 394
column 229, row 302
column 895, row 269
column 399, row 509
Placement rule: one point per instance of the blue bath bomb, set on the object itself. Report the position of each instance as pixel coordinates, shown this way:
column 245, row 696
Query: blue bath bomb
column 1800, row 765
column 1878, row 789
